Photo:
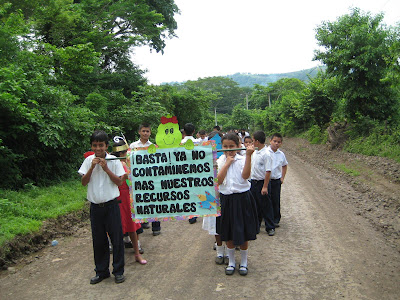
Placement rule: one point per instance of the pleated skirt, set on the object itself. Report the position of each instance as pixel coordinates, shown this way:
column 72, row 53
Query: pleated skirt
column 238, row 222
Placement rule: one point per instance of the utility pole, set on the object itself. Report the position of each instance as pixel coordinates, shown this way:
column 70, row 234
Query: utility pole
column 215, row 115
column 247, row 102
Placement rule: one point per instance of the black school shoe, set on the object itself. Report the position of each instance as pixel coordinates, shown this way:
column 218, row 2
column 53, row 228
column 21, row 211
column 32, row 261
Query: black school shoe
column 119, row 278
column 97, row 279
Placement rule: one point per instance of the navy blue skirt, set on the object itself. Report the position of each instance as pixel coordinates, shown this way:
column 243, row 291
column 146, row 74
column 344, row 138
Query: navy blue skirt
column 238, row 222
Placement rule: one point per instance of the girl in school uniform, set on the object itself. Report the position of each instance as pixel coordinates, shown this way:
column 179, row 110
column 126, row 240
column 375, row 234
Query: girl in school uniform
column 239, row 222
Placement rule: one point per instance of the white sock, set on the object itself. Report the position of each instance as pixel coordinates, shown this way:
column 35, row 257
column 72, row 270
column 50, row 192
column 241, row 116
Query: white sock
column 231, row 255
column 220, row 251
column 127, row 239
column 243, row 256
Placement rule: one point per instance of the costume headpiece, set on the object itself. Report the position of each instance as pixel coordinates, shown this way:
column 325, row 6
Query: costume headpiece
column 120, row 148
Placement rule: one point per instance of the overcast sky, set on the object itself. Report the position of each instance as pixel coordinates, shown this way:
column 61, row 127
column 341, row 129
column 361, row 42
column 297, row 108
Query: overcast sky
column 223, row 37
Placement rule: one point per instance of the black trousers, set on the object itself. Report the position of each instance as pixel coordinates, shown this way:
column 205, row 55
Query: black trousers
column 106, row 218
column 274, row 190
column 264, row 204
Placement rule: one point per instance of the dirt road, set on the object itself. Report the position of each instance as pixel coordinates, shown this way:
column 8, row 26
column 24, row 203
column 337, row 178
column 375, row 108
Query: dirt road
column 323, row 250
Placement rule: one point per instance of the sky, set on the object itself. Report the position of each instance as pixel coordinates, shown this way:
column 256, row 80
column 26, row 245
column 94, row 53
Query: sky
column 224, row 37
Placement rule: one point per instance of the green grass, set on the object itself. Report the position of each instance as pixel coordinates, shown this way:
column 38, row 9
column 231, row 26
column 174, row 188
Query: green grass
column 24, row 211
column 347, row 170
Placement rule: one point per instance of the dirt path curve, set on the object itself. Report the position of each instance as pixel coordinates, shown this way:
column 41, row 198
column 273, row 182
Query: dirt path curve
column 323, row 250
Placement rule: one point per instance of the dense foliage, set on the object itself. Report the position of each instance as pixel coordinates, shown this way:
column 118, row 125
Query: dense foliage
column 66, row 69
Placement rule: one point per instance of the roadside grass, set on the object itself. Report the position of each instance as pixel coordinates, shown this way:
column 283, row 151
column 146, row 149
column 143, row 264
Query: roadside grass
column 24, row 211
column 347, row 170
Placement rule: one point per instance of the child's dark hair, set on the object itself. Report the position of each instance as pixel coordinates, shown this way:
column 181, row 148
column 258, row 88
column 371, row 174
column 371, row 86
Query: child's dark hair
column 188, row 129
column 202, row 132
column 231, row 137
column 278, row 135
column 259, row 136
column 247, row 137
column 217, row 127
column 99, row 136
column 143, row 125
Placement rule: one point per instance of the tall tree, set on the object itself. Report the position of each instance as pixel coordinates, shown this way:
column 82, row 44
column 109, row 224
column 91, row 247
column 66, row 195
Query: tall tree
column 356, row 52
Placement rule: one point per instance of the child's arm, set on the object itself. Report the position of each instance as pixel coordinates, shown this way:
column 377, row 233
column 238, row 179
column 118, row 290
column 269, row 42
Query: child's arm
column 264, row 190
column 114, row 178
column 224, row 170
column 247, row 165
column 284, row 169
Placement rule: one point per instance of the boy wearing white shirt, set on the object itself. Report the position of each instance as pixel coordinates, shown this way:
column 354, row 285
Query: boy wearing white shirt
column 260, row 175
column 103, row 177
column 278, row 173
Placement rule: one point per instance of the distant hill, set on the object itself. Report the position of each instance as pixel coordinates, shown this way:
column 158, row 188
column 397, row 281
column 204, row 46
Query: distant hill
column 249, row 80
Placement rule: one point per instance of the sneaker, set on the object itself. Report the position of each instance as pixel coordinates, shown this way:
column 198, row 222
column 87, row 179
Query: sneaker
column 271, row 232
column 145, row 225
column 141, row 251
column 193, row 220
column 128, row 245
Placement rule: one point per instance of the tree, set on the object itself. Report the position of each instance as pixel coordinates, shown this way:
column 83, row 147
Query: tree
column 357, row 53
column 228, row 91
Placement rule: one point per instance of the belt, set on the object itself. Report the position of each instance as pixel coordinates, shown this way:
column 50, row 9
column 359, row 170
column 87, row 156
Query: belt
column 108, row 203
column 275, row 179
column 255, row 180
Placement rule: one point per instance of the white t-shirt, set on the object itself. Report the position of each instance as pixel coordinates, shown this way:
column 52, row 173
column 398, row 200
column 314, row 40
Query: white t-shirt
column 100, row 187
column 233, row 182
column 190, row 137
column 139, row 144
column 261, row 162
column 278, row 161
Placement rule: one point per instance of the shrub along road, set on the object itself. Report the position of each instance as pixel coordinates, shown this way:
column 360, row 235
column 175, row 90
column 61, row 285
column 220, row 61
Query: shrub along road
column 329, row 246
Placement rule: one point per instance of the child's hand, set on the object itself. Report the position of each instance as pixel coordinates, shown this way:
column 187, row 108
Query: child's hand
column 229, row 160
column 95, row 161
column 250, row 150
column 103, row 163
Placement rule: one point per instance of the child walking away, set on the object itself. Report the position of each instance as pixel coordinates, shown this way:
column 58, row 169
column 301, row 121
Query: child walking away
column 120, row 149
column 103, row 177
column 278, row 173
column 260, row 175
column 239, row 222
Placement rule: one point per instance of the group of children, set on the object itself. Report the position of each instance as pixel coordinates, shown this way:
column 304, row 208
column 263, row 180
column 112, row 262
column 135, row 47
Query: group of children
column 249, row 190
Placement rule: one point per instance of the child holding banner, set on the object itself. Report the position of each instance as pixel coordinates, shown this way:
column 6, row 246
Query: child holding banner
column 103, row 178
column 128, row 226
column 239, row 222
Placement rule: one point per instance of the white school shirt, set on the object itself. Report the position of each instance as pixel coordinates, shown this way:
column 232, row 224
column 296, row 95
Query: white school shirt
column 100, row 187
column 278, row 161
column 233, row 182
column 139, row 144
column 261, row 162
column 190, row 137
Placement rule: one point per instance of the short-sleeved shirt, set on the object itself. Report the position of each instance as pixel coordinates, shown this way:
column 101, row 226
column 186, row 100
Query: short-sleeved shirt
column 261, row 162
column 190, row 137
column 100, row 187
column 139, row 144
column 233, row 182
column 278, row 161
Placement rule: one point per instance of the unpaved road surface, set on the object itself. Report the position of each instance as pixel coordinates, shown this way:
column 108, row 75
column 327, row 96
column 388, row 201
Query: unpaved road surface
column 324, row 249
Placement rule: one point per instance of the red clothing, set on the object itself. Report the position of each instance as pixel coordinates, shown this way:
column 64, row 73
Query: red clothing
column 125, row 207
